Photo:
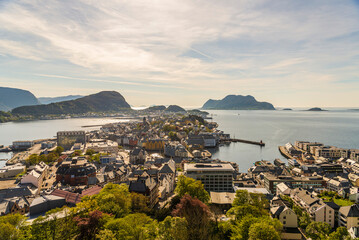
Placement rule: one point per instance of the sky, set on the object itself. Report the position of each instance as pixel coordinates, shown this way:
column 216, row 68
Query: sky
column 289, row 53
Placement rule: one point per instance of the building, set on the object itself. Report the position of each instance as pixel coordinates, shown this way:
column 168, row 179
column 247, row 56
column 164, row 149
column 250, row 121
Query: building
column 36, row 176
column 105, row 146
column 67, row 139
column 338, row 183
column 14, row 205
column 75, row 171
column 12, row 170
column 285, row 215
column 154, row 144
column 314, row 182
column 215, row 177
column 42, row 204
column 22, row 145
column 349, row 216
column 48, row 144
column 138, row 156
column 329, row 152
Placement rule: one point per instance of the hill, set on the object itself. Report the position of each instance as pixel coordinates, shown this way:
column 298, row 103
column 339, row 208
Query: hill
column 316, row 109
column 237, row 102
column 175, row 108
column 13, row 97
column 48, row 100
column 106, row 101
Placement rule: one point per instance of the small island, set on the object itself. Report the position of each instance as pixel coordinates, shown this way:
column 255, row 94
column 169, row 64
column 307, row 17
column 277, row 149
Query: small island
column 237, row 102
column 287, row 109
column 316, row 109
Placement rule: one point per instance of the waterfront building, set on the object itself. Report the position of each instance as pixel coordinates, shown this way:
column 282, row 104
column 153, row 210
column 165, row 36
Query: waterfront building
column 328, row 152
column 22, row 145
column 215, row 177
column 67, row 139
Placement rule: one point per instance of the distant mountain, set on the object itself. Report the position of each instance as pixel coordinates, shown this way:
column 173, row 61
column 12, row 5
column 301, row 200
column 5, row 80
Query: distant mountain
column 237, row 102
column 106, row 101
column 175, row 108
column 316, row 109
column 48, row 100
column 12, row 97
column 156, row 108
column 287, row 109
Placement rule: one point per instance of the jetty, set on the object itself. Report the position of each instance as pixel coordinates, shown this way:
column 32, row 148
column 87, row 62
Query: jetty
column 284, row 152
column 260, row 143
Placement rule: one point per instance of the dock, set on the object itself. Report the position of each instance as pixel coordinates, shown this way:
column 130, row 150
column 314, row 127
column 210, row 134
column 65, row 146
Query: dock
column 284, row 152
column 260, row 143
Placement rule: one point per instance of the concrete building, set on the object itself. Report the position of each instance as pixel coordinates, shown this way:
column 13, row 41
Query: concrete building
column 36, row 176
column 67, row 139
column 22, row 145
column 285, row 215
column 215, row 177
column 12, row 170
column 106, row 146
column 43, row 204
column 75, row 171
column 271, row 181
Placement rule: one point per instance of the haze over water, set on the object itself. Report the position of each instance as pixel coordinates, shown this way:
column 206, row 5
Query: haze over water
column 337, row 128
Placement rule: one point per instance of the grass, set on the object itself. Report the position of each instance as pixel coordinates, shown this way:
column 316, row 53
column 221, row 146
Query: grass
column 338, row 201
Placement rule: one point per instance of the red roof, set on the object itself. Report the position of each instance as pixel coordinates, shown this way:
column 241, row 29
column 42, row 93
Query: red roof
column 91, row 191
column 70, row 197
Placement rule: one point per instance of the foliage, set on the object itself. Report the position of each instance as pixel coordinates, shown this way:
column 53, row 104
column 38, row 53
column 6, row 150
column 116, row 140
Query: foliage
column 139, row 203
column 304, row 220
column 194, row 188
column 243, row 197
column 90, row 152
column 318, row 230
column 89, row 226
column 59, row 150
column 197, row 215
column 9, row 226
column 173, row 228
column 288, row 200
column 173, row 136
column 114, row 199
column 263, row 231
column 340, row 234
column 239, row 212
column 136, row 226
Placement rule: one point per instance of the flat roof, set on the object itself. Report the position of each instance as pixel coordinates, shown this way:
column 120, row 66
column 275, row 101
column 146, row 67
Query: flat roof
column 208, row 167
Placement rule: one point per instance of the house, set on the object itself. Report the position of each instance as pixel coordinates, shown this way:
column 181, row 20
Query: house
column 14, row 205
column 338, row 183
column 283, row 189
column 36, row 176
column 223, row 200
column 138, row 156
column 285, row 215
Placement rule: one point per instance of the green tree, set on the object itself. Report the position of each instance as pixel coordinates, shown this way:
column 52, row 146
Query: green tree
column 33, row 159
column 139, row 203
column 318, row 230
column 114, row 199
column 90, row 152
column 173, row 228
column 106, row 234
column 59, row 150
column 304, row 220
column 240, row 211
column 241, row 228
column 194, row 188
column 136, row 226
column 10, row 226
column 263, row 231
column 340, row 234
column 197, row 215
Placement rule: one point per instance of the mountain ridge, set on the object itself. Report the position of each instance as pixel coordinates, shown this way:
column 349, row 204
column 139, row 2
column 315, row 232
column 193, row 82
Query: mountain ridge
column 11, row 98
column 48, row 100
column 105, row 101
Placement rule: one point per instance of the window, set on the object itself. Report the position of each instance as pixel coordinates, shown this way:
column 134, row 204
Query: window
column 284, row 217
column 284, row 222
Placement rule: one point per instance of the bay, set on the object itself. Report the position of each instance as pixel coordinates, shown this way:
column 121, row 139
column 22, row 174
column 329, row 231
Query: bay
column 339, row 128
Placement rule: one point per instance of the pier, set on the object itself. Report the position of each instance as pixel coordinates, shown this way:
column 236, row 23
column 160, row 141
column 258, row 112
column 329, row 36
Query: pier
column 260, row 143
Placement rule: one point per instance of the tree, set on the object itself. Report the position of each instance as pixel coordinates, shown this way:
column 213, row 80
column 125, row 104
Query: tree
column 89, row 226
column 10, row 225
column 318, row 230
column 33, row 159
column 197, row 215
column 173, row 228
column 304, row 220
column 263, row 231
column 90, row 152
column 59, row 150
column 194, row 188
column 136, row 226
column 240, row 211
column 114, row 199
column 340, row 234
column 242, row 197
column 139, row 203
column 106, row 234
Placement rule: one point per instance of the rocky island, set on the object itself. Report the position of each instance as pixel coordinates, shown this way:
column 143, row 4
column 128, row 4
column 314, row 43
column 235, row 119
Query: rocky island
column 316, row 109
column 237, row 102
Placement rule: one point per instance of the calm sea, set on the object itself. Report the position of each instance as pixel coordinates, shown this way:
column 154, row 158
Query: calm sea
column 338, row 127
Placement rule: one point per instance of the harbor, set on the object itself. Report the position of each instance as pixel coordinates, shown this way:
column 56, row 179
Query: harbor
column 260, row 143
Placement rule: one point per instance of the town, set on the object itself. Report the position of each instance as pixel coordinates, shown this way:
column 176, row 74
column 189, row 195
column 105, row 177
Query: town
column 153, row 156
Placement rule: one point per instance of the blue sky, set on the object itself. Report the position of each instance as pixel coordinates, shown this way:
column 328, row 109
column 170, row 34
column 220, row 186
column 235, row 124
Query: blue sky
column 290, row 53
